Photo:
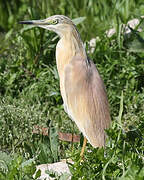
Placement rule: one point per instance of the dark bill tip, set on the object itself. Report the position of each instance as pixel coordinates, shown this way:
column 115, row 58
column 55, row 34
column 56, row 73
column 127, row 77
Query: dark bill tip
column 25, row 22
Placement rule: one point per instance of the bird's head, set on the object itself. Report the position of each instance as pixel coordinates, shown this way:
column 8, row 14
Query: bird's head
column 58, row 23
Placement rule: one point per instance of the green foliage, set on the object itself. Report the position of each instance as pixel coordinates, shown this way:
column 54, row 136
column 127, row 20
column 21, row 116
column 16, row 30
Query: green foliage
column 17, row 125
column 135, row 41
column 29, row 89
column 16, row 168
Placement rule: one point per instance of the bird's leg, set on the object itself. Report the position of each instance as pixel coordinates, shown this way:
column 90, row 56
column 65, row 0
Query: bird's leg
column 83, row 147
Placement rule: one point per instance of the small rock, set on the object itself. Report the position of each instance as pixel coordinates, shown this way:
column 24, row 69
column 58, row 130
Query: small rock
column 59, row 167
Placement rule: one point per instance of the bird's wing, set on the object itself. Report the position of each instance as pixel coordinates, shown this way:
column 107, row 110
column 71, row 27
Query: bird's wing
column 86, row 100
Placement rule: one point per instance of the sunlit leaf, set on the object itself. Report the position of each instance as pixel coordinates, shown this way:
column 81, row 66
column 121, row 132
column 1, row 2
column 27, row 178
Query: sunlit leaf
column 78, row 20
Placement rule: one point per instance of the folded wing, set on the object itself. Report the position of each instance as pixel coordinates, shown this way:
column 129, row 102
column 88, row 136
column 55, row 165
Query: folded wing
column 86, row 100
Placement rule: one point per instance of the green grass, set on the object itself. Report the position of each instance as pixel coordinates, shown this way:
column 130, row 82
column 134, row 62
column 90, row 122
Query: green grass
column 29, row 89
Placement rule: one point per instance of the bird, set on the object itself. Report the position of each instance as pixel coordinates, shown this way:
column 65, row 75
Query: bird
column 81, row 86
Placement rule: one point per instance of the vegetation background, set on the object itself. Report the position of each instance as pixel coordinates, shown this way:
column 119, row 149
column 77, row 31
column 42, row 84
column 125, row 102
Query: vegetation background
column 29, row 89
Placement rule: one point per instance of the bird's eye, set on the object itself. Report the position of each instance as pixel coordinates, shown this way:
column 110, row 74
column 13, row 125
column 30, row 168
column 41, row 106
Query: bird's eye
column 55, row 21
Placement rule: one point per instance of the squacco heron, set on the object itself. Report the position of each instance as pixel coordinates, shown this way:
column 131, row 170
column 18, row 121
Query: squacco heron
column 82, row 89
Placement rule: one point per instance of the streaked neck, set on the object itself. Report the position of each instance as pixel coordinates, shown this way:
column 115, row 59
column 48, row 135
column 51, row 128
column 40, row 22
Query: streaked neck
column 69, row 45
column 73, row 40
